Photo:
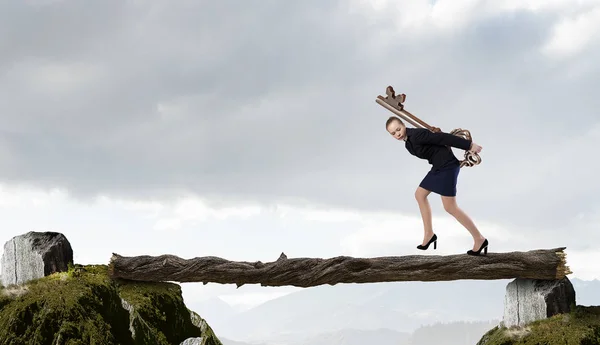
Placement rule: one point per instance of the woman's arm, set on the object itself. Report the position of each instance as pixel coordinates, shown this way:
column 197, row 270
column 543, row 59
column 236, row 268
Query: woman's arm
column 426, row 136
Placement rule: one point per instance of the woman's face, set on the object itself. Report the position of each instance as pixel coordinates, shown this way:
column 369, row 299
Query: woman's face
column 397, row 130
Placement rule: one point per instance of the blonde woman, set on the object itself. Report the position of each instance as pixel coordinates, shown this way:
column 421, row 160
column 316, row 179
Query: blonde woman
column 441, row 179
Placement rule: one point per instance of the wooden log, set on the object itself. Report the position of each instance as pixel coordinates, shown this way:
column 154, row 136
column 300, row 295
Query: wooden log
column 547, row 264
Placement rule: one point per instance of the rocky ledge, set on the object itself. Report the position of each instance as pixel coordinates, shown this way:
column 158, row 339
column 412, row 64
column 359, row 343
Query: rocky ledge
column 579, row 326
column 83, row 306
column 51, row 301
column 544, row 312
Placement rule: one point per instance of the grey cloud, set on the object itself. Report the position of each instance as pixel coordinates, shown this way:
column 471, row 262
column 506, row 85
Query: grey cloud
column 276, row 100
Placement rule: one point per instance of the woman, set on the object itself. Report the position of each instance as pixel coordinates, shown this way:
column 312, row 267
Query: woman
column 441, row 179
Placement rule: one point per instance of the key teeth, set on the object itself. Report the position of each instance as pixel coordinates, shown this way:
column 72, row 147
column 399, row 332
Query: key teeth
column 390, row 92
column 394, row 100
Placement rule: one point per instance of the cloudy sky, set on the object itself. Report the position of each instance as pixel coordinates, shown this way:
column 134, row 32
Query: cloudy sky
column 244, row 129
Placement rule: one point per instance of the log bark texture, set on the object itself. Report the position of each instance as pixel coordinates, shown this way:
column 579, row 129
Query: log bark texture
column 547, row 264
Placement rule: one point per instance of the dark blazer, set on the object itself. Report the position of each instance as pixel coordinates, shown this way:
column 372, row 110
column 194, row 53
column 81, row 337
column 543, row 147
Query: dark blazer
column 434, row 147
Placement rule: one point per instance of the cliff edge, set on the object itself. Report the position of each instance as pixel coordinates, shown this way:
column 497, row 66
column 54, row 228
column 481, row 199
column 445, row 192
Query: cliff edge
column 46, row 299
column 84, row 306
column 580, row 326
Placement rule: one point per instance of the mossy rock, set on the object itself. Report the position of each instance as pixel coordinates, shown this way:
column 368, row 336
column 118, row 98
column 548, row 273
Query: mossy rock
column 84, row 306
column 581, row 327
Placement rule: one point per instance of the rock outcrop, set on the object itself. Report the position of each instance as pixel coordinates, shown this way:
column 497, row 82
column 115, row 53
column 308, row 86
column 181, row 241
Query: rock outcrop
column 204, row 327
column 46, row 299
column 529, row 300
column 580, row 326
column 85, row 306
column 192, row 341
column 35, row 255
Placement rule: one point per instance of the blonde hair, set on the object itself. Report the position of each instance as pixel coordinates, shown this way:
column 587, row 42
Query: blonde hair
column 392, row 119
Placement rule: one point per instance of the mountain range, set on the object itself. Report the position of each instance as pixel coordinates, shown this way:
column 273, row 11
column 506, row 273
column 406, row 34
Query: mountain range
column 390, row 313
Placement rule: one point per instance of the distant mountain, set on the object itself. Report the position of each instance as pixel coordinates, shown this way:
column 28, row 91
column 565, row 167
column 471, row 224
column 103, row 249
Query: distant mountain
column 358, row 337
column 214, row 309
column 587, row 292
column 226, row 341
column 341, row 337
column 457, row 333
column 401, row 307
column 325, row 311
column 454, row 333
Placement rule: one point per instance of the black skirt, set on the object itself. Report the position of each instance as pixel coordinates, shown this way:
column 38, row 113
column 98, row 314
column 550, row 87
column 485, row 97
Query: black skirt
column 443, row 181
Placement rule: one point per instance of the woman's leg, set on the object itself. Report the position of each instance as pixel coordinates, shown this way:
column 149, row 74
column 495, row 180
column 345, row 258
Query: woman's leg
column 452, row 208
column 421, row 196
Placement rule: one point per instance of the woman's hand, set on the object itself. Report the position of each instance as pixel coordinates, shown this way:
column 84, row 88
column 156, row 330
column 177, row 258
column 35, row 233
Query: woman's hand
column 475, row 148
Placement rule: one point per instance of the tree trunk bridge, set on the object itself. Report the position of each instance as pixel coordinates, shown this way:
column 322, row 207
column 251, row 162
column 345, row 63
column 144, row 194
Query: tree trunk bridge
column 545, row 264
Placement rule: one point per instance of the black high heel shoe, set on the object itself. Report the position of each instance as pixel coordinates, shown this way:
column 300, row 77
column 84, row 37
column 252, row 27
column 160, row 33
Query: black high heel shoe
column 484, row 246
column 432, row 240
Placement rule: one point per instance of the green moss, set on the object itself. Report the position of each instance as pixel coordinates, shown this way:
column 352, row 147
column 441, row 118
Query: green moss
column 581, row 326
column 161, row 317
column 209, row 337
column 83, row 306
